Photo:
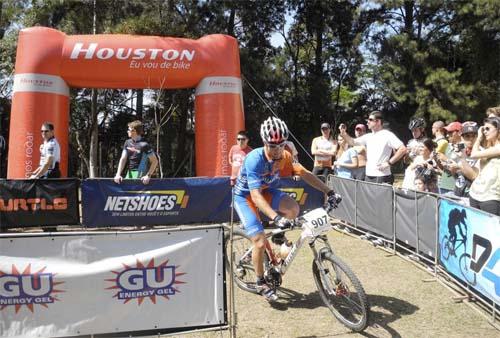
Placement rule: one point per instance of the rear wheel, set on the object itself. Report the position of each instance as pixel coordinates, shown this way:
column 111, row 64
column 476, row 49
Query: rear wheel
column 241, row 259
column 445, row 248
column 341, row 291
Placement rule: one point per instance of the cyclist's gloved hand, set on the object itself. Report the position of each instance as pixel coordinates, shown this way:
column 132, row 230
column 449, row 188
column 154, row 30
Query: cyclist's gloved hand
column 282, row 222
column 333, row 200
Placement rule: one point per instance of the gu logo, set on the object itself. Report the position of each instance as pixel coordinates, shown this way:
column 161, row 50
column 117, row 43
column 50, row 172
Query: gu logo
column 26, row 288
column 142, row 281
column 297, row 194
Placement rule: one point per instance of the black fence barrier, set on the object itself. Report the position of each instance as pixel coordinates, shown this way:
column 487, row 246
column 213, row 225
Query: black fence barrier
column 28, row 203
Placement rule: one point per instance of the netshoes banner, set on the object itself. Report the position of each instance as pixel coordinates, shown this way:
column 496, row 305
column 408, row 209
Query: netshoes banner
column 172, row 201
column 470, row 247
column 165, row 201
column 97, row 283
column 38, row 202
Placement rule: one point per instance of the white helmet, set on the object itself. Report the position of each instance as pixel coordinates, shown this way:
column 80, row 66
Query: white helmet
column 273, row 130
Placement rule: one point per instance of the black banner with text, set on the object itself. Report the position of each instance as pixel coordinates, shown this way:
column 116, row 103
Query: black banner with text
column 26, row 203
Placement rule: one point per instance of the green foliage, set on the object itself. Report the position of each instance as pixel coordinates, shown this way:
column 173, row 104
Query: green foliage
column 340, row 59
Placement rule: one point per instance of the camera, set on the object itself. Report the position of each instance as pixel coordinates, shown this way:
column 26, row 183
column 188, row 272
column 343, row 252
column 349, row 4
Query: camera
column 459, row 147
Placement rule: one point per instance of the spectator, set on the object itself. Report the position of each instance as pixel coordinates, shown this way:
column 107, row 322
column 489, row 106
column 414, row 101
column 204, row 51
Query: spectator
column 347, row 159
column 359, row 172
column 237, row 154
column 417, row 128
column 422, row 166
column 439, row 134
column 138, row 153
column 323, row 148
column 493, row 111
column 448, row 162
column 379, row 145
column 484, row 192
column 3, row 154
column 50, row 154
column 426, row 181
column 467, row 167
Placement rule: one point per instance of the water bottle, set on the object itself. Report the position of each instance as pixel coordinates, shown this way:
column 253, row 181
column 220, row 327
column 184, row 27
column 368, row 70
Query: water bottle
column 285, row 249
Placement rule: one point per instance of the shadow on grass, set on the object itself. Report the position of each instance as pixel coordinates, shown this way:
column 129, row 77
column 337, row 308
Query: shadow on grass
column 384, row 310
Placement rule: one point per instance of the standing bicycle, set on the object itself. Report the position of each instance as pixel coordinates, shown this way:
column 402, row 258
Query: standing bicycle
column 257, row 190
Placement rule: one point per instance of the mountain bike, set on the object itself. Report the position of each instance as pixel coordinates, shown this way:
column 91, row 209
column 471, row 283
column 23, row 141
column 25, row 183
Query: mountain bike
column 339, row 288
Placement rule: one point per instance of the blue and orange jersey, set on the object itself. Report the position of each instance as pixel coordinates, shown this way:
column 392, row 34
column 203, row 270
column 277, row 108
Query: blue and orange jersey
column 257, row 172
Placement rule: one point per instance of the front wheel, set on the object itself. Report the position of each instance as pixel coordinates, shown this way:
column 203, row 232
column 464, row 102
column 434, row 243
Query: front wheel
column 243, row 270
column 341, row 291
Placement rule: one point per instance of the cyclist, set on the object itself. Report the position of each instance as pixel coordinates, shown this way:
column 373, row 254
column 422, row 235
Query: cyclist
column 257, row 190
column 455, row 218
column 417, row 128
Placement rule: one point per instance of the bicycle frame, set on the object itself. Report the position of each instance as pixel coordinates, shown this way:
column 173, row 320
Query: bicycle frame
column 288, row 260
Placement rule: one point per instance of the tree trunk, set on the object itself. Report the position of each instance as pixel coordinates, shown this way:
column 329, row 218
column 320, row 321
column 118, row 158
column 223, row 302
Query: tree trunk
column 94, row 137
column 139, row 103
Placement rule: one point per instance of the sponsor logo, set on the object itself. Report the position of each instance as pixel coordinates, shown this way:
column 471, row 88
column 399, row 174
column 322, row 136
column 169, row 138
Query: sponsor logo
column 93, row 51
column 149, row 281
column 147, row 203
column 297, row 194
column 27, row 288
column 32, row 204
column 223, row 84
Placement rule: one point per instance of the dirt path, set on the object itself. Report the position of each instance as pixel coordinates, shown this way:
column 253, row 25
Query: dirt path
column 402, row 304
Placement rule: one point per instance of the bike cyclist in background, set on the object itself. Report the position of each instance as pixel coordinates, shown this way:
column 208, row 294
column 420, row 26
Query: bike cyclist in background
column 257, row 190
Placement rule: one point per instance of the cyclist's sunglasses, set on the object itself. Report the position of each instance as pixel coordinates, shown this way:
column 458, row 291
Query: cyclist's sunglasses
column 276, row 145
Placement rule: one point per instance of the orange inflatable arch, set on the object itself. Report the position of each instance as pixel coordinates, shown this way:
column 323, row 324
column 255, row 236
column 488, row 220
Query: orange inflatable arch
column 49, row 62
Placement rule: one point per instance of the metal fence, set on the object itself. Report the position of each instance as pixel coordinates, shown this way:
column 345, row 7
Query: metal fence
column 417, row 223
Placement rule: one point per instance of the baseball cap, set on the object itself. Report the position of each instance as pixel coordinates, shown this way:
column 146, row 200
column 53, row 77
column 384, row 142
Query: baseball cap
column 469, row 127
column 360, row 126
column 454, row 126
column 325, row 125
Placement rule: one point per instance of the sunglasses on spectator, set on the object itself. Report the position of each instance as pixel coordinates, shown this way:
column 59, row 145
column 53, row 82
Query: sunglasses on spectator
column 241, row 138
column 371, row 119
column 44, row 131
column 130, row 129
column 488, row 128
column 276, row 145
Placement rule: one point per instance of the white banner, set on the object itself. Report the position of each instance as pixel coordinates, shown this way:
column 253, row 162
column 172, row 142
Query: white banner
column 70, row 285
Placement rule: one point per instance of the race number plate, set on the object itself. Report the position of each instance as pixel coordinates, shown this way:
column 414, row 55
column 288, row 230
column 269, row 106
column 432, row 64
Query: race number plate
column 317, row 221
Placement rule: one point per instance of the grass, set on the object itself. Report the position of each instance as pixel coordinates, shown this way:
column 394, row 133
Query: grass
column 402, row 304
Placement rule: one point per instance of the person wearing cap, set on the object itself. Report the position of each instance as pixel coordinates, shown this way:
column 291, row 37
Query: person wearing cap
column 383, row 149
column 323, row 148
column 447, row 162
column 237, row 154
column 467, row 167
column 439, row 134
column 359, row 172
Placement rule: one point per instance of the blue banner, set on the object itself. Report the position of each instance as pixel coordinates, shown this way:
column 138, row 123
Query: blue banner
column 161, row 202
column 171, row 201
column 470, row 247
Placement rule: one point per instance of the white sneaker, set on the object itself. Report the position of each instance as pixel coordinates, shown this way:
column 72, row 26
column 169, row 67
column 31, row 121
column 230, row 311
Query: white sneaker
column 266, row 291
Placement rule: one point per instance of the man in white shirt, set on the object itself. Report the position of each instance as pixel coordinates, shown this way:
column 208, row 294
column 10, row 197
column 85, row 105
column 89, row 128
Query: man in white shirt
column 50, row 154
column 380, row 144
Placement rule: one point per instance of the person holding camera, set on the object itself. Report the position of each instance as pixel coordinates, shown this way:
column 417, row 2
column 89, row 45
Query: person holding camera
column 484, row 193
column 447, row 162
column 467, row 167
column 423, row 167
